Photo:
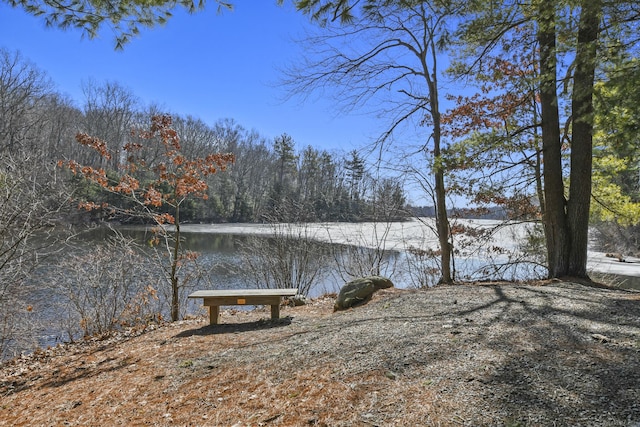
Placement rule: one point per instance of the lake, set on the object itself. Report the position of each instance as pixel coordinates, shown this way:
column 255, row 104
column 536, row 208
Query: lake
column 221, row 264
column 228, row 252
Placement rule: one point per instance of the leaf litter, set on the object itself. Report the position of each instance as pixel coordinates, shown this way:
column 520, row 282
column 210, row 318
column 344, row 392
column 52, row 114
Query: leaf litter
column 495, row 354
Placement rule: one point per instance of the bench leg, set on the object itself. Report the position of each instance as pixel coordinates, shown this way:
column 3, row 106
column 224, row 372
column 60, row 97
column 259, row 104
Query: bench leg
column 275, row 311
column 214, row 314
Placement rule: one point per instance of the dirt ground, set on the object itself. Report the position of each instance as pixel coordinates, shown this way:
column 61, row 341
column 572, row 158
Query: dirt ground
column 543, row 354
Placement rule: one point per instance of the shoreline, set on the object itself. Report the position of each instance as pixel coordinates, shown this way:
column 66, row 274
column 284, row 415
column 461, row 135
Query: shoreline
column 417, row 233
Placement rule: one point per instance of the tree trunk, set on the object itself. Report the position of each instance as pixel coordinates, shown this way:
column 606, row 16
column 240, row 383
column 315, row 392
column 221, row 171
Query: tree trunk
column 554, row 215
column 442, row 225
column 175, row 294
column 582, row 137
column 442, row 221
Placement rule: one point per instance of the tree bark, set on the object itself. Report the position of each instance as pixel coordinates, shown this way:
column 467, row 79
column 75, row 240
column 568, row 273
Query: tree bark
column 175, row 288
column 442, row 225
column 582, row 137
column 554, row 218
column 442, row 220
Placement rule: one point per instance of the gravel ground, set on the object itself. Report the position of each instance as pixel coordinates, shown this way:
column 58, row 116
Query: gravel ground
column 537, row 354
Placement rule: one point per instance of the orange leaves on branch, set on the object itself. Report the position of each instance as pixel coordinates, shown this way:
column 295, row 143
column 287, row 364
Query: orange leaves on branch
column 164, row 218
column 153, row 197
column 507, row 92
column 517, row 206
column 187, row 257
column 154, row 241
column 161, row 127
column 171, row 179
column 488, row 197
column 127, row 185
column 190, row 255
column 477, row 113
column 90, row 206
column 98, row 176
column 179, row 160
column 131, row 147
column 219, row 159
column 185, row 176
column 191, row 184
column 96, row 143
column 519, row 67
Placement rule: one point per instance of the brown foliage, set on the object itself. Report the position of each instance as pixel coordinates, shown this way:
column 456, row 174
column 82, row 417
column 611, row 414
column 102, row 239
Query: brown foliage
column 182, row 177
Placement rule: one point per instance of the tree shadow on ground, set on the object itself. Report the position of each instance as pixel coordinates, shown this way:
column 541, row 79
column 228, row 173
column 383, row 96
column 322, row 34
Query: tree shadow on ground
column 579, row 350
column 544, row 350
column 63, row 375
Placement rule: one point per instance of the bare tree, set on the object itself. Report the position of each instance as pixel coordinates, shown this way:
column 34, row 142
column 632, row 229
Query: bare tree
column 30, row 204
column 385, row 54
column 60, row 121
column 23, row 89
column 30, row 195
column 198, row 138
column 290, row 257
column 109, row 110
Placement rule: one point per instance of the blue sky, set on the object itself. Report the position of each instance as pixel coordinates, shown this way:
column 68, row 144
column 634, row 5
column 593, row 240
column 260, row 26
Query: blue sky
column 209, row 65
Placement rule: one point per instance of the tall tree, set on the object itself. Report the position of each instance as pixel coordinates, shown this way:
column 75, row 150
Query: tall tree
column 62, row 120
column 355, row 167
column 285, row 172
column 252, row 175
column 388, row 200
column 309, row 181
column 109, row 110
column 580, row 183
column 284, row 149
column 382, row 48
column 567, row 62
column 24, row 90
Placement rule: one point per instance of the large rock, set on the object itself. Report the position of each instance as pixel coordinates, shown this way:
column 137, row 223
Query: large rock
column 359, row 291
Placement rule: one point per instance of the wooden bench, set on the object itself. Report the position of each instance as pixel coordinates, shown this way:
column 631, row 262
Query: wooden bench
column 214, row 299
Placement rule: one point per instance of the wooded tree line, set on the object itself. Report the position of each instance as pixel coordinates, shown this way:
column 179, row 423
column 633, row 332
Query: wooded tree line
column 271, row 180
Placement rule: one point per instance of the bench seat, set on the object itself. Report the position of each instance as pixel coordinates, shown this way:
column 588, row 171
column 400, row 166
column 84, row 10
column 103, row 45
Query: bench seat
column 215, row 298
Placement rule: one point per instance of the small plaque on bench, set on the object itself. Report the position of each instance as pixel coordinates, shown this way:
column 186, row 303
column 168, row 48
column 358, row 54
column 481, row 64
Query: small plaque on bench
column 241, row 301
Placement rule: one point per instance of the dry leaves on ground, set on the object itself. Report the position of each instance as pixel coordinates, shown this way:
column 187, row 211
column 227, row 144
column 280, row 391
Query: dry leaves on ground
column 494, row 354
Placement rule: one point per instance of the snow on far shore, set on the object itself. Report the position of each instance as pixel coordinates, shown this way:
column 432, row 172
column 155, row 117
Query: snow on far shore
column 394, row 236
column 415, row 233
